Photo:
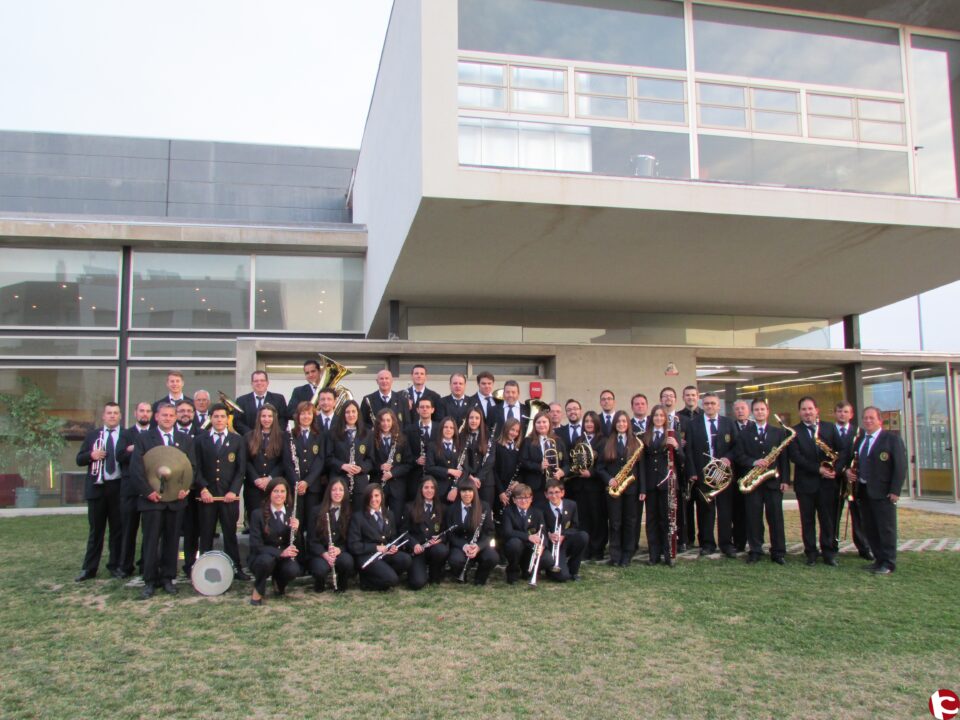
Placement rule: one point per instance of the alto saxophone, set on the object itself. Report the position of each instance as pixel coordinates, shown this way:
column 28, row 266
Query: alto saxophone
column 831, row 454
column 760, row 474
column 625, row 478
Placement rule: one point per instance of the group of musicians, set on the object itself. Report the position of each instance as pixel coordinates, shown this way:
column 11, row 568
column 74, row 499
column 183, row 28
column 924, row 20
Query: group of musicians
column 409, row 485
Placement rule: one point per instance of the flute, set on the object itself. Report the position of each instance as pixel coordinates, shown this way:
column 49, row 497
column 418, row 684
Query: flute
column 393, row 543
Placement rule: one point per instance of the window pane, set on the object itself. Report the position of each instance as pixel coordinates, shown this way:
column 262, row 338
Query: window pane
column 660, row 89
column 601, row 107
column 646, row 33
column 723, row 117
column 830, row 105
column 799, row 49
column 74, row 288
column 935, row 95
column 537, row 78
column 469, row 141
column 892, row 133
column 480, row 73
column 41, row 347
column 661, row 112
column 722, row 94
column 776, row 122
column 601, row 84
column 879, row 110
column 772, row 162
column 313, row 294
column 536, row 102
column 825, row 127
column 481, row 97
column 176, row 290
column 776, row 100
column 147, row 385
column 153, row 348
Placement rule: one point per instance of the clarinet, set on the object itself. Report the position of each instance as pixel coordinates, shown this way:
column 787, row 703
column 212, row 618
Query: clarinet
column 439, row 536
column 333, row 570
column 296, row 463
column 473, row 541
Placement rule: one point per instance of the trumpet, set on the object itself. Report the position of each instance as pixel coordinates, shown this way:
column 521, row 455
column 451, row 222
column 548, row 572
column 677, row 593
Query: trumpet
column 534, row 567
column 96, row 467
column 556, row 546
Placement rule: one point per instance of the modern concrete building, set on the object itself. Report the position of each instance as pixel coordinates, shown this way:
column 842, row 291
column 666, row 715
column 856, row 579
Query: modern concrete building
column 584, row 194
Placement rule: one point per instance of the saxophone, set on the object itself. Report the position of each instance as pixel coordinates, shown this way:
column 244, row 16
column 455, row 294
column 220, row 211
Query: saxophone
column 625, row 478
column 831, row 454
column 759, row 475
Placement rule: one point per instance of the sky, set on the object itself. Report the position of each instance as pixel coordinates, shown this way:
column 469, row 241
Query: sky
column 288, row 72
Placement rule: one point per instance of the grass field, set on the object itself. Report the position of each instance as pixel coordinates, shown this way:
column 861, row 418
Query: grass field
column 709, row 639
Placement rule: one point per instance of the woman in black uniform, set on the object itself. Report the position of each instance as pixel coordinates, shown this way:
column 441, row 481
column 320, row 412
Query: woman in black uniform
column 622, row 512
column 593, row 491
column 390, row 455
column 506, row 467
column 371, row 530
column 656, row 463
column 350, row 443
column 534, row 468
column 271, row 553
column 332, row 518
column 423, row 520
column 443, row 458
column 473, row 437
column 265, row 456
column 467, row 514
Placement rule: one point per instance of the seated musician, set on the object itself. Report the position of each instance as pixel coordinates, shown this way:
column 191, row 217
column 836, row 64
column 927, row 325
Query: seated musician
column 332, row 518
column 371, row 531
column 520, row 532
column 271, row 553
column 469, row 513
column 563, row 533
column 423, row 519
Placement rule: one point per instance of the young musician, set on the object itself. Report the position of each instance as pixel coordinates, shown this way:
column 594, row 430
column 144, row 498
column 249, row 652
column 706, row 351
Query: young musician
column 520, row 527
column 849, row 435
column 420, row 435
column 618, row 448
column 563, row 532
column 474, row 437
column 444, row 457
column 349, row 438
column 506, row 466
column 306, row 392
column 221, row 463
column 271, row 552
column 608, row 408
column 418, row 389
column 333, row 516
column 130, row 515
column 468, row 513
column 265, row 457
column 371, row 531
column 391, row 460
column 423, row 519
column 593, row 491
column 536, row 463
column 484, row 398
column 661, row 448
column 309, row 444
column 99, row 454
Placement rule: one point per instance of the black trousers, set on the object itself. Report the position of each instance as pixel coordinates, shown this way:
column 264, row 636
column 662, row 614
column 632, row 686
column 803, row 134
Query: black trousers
column 345, row 567
column 427, row 566
column 638, row 527
column 517, row 553
column 658, row 523
column 880, row 523
column 685, row 524
column 191, row 532
column 395, row 493
column 488, row 493
column 819, row 506
column 593, row 519
column 739, row 510
column 102, row 512
column 706, row 519
column 161, row 543
column 385, row 572
column 860, row 539
column 483, row 563
column 571, row 553
column 130, row 530
column 724, row 504
column 769, row 501
column 622, row 516
column 311, row 506
column 283, row 570
column 227, row 514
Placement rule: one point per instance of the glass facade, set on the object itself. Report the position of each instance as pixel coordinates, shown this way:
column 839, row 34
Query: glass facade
column 308, row 294
column 935, row 95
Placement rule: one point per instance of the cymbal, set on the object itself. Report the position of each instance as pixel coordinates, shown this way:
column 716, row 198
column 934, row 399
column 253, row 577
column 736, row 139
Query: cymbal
column 168, row 471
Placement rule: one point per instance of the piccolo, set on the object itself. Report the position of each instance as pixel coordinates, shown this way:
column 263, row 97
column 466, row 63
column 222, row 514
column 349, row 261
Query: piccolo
column 397, row 542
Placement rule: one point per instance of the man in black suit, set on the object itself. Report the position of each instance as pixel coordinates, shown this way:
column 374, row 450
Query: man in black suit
column 608, row 407
column 753, row 444
column 712, row 436
column 563, row 530
column 691, row 399
column 161, row 520
column 742, row 423
column 311, row 371
column 814, row 481
column 418, row 389
column 640, row 407
column 190, row 524
column 174, row 391
column 456, row 404
column 685, row 503
column 419, row 436
column 881, row 470
column 129, row 514
column 847, row 430
column 98, row 454
column 373, row 403
column 251, row 402
column 484, row 398
column 201, row 411
column 571, row 431
column 511, row 408
column 221, row 462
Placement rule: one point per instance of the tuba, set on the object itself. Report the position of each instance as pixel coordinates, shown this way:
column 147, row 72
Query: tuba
column 331, row 373
column 758, row 475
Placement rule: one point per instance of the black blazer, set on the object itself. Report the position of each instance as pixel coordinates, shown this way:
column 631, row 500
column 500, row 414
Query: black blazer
column 505, row 467
column 847, row 441
column 166, row 399
column 319, row 542
column 656, row 464
column 147, row 441
column 399, row 455
column 750, row 447
column 312, row 458
column 608, row 470
column 806, row 456
column 270, row 538
column 427, row 393
column 636, row 427
column 698, row 445
column 92, row 491
column 884, row 467
column 500, row 417
column 128, row 439
column 415, row 438
column 299, row 394
column 605, row 427
column 422, row 531
column 449, row 408
column 594, row 483
column 364, row 535
column 260, row 465
column 221, row 470
column 512, row 526
column 530, row 459
column 475, row 401
column 569, row 519
column 399, row 403
column 248, row 403
column 439, row 461
column 463, row 533
column 338, row 453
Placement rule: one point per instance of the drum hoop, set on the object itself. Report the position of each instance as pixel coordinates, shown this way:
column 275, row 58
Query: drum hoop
column 212, row 558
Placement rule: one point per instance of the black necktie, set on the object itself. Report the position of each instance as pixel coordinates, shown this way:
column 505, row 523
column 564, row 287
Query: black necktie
column 621, row 443
column 111, row 463
column 556, row 512
column 384, row 398
column 326, row 423
column 168, row 438
column 865, row 450
column 351, row 434
column 713, row 436
column 429, row 508
column 448, row 446
column 217, row 440
column 279, row 515
column 843, row 432
column 489, row 405
column 657, row 437
column 379, row 521
column 259, row 403
column 763, row 434
column 523, row 516
column 510, row 415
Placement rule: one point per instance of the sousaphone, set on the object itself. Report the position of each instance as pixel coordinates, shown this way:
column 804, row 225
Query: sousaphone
column 168, row 471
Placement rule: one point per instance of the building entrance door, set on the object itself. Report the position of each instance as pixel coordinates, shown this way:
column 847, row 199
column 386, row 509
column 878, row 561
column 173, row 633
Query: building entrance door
column 932, row 434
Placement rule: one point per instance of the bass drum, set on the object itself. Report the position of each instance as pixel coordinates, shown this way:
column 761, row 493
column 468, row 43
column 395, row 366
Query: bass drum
column 212, row 573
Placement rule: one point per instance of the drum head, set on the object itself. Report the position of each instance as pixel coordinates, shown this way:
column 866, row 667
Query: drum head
column 212, row 573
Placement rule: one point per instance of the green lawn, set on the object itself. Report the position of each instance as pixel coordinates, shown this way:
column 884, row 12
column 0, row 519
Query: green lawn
column 709, row 639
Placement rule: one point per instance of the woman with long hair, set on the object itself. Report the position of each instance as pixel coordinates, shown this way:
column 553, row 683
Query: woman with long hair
column 443, row 459
column 622, row 511
column 349, row 440
column 542, row 458
column 464, row 517
column 506, row 465
column 271, row 553
column 265, row 456
column 390, row 455
column 657, row 446
column 474, row 438
column 593, row 489
column 423, row 519
column 371, row 531
column 328, row 538
column 310, row 448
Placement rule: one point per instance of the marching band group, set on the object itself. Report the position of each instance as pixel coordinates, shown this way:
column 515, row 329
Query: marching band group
column 409, row 485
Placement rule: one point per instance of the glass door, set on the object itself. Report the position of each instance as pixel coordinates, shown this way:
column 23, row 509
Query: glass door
column 934, row 441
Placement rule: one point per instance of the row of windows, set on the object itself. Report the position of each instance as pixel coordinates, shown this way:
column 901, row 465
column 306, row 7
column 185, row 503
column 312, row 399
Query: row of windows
column 662, row 100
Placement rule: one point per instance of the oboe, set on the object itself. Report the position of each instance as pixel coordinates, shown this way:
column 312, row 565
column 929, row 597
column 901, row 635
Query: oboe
column 333, row 569
column 473, row 541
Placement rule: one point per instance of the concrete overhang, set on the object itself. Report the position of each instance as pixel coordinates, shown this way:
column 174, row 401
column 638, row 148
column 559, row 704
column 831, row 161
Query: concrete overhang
column 173, row 233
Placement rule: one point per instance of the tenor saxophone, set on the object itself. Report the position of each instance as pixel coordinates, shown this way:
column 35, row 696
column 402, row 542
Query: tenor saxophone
column 760, row 474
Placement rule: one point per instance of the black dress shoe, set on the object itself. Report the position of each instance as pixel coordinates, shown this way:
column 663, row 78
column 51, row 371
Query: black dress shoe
column 682, row 547
column 169, row 588
column 651, row 562
column 318, row 586
column 241, row 575
column 883, row 570
column 612, row 563
column 779, row 560
column 256, row 603
column 147, row 592
column 84, row 575
column 730, row 553
column 872, row 566
column 669, row 562
column 811, row 561
column 867, row 555
column 832, row 562
column 575, row 578
column 751, row 559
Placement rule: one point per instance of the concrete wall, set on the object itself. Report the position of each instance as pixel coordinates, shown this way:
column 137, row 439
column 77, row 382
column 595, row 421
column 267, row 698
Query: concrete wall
column 92, row 175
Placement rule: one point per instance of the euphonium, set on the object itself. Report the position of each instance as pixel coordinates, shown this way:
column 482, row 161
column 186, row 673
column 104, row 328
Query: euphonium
column 758, row 475
column 625, row 478
column 331, row 373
